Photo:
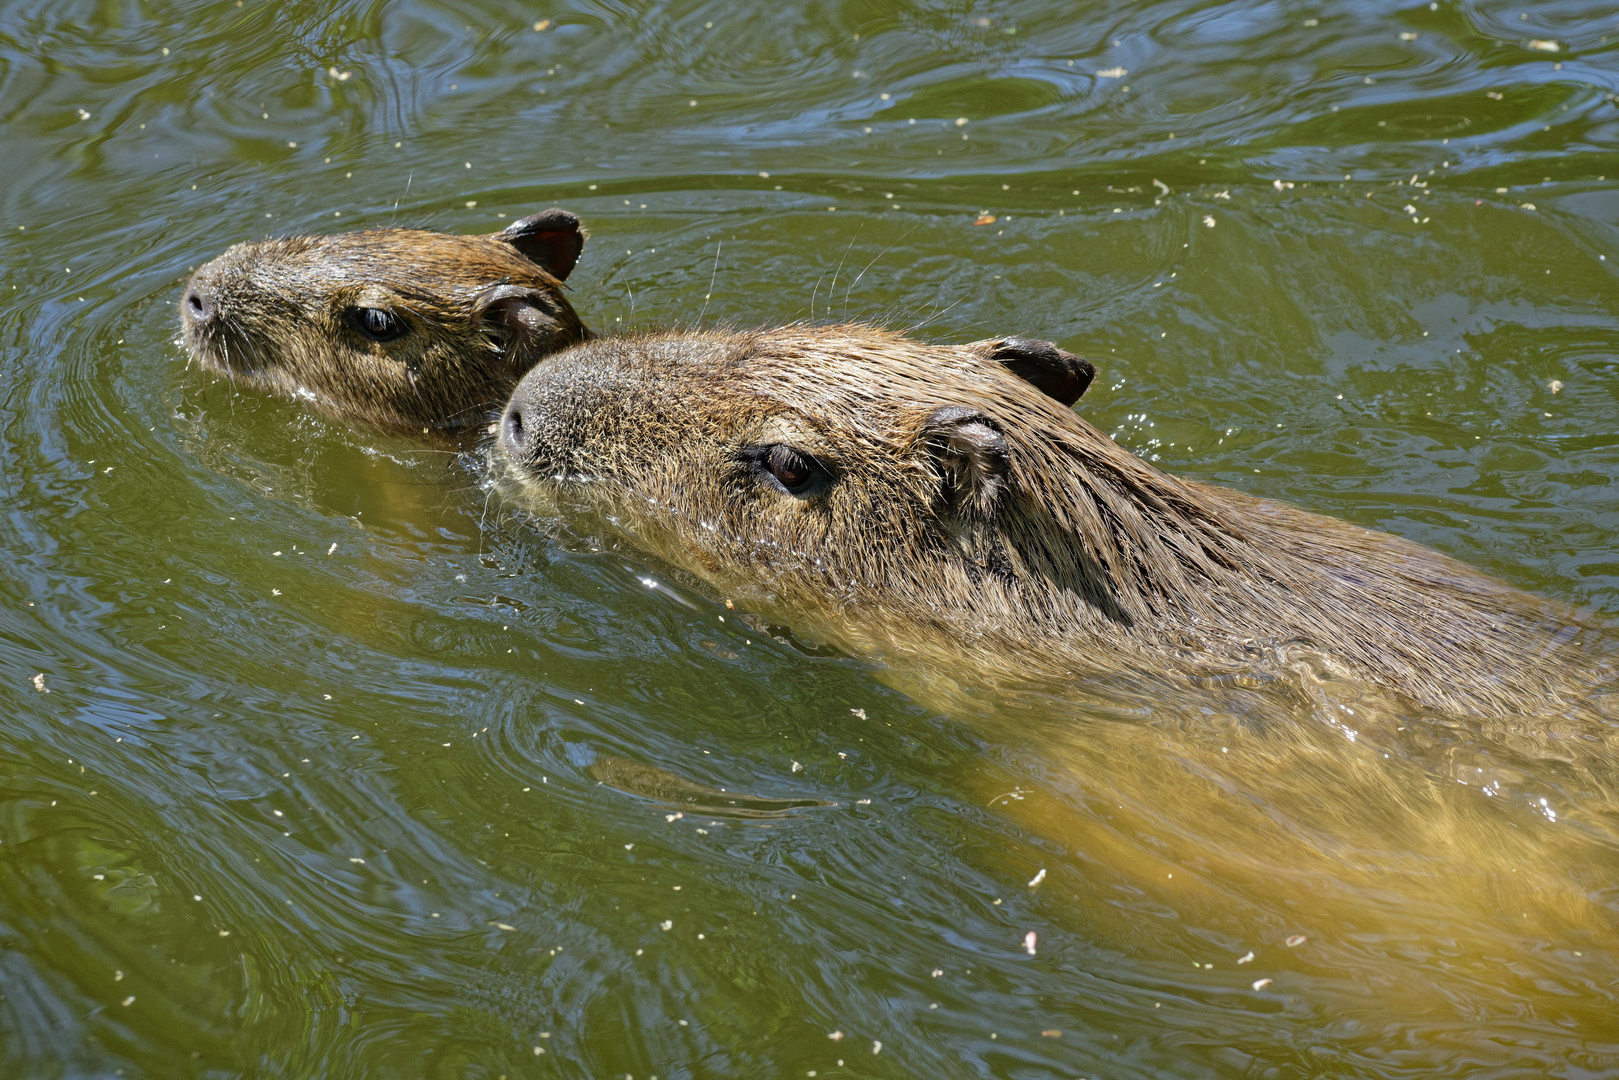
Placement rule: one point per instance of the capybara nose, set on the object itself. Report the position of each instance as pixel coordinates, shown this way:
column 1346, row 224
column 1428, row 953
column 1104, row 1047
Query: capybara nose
column 519, row 441
column 199, row 306
column 514, row 432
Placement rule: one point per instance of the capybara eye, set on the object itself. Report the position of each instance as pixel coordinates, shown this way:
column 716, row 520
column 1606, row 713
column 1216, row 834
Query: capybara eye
column 794, row 471
column 378, row 324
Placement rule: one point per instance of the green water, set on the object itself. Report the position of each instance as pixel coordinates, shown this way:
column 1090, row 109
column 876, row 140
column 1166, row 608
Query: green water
column 316, row 783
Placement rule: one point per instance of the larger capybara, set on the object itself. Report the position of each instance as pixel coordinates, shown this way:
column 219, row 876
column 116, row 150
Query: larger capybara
column 906, row 498
column 1396, row 800
column 391, row 328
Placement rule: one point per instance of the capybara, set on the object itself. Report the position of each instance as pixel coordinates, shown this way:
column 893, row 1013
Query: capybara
column 391, row 328
column 906, row 498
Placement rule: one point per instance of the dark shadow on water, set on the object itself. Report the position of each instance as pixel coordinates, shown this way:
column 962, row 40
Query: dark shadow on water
column 661, row 785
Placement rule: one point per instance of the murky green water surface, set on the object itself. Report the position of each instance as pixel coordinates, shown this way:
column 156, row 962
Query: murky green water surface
column 317, row 761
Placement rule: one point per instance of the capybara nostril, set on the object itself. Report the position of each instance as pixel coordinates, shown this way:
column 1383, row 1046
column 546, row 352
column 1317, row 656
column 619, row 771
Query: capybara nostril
column 199, row 306
column 513, row 428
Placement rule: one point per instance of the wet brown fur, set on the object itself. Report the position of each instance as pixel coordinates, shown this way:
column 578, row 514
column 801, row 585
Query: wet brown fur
column 478, row 311
column 1081, row 561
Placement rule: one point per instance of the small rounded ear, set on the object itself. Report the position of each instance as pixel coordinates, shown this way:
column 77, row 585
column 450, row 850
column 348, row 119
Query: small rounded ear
column 515, row 317
column 551, row 239
column 1050, row 370
column 970, row 455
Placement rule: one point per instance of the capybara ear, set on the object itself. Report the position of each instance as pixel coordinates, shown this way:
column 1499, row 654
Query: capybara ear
column 1050, row 370
column 514, row 317
column 552, row 239
column 970, row 455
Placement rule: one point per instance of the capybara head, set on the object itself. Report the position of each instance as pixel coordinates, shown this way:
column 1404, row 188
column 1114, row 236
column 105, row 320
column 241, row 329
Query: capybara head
column 901, row 493
column 389, row 327
column 842, row 462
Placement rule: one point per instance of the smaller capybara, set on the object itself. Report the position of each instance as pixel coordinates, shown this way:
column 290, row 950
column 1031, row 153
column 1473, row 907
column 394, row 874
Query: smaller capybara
column 392, row 328
column 908, row 499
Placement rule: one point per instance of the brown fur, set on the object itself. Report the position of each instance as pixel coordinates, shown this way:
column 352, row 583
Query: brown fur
column 968, row 512
column 477, row 312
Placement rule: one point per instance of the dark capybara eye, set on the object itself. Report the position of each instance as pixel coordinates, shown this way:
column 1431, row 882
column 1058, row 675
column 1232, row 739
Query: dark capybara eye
column 378, row 324
column 795, row 471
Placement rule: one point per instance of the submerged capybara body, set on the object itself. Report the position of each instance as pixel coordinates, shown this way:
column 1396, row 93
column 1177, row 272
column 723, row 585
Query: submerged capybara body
column 913, row 498
column 394, row 328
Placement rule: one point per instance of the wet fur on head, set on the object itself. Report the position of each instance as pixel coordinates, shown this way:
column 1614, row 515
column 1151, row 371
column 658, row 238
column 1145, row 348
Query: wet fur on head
column 951, row 500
